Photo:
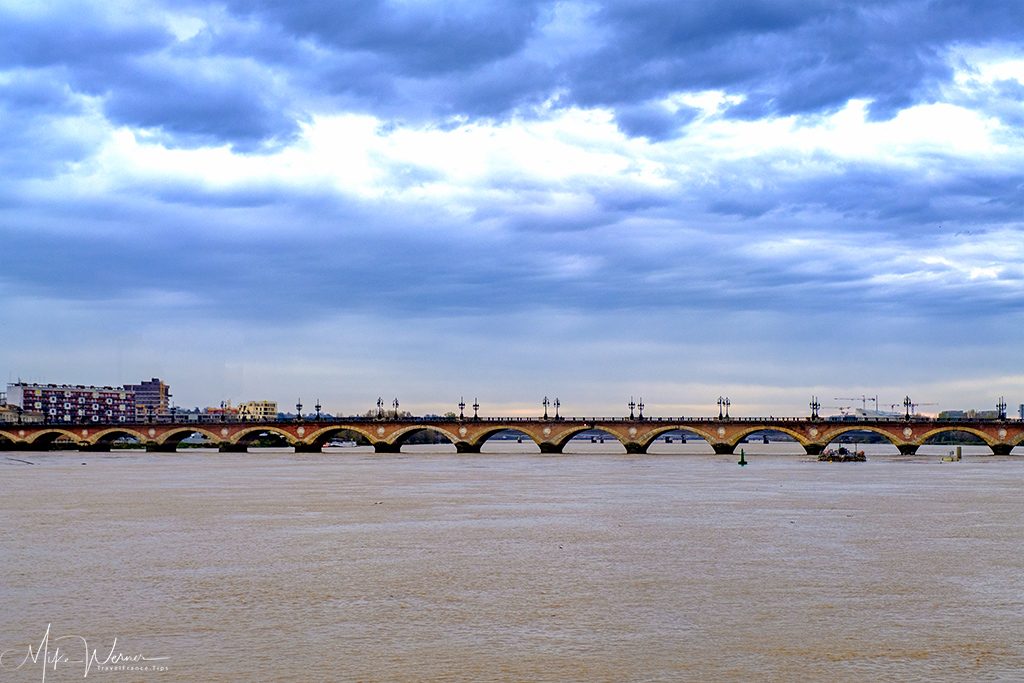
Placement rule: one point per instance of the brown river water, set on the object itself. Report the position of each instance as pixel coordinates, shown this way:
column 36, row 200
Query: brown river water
column 513, row 566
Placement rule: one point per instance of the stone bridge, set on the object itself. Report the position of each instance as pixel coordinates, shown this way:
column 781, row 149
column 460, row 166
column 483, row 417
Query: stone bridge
column 468, row 435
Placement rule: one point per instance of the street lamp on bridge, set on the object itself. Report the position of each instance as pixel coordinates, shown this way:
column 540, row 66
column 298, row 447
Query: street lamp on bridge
column 557, row 404
column 318, row 407
column 462, row 408
column 545, row 403
column 640, row 405
column 721, row 404
column 907, row 404
column 395, row 404
column 631, row 405
column 815, row 405
column 380, row 408
column 1001, row 407
column 298, row 410
column 476, row 408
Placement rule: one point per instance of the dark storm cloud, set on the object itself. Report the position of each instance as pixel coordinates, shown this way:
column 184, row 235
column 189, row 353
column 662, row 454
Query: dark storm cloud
column 76, row 35
column 789, row 57
column 415, row 39
column 201, row 103
column 255, row 70
column 40, row 125
column 145, row 78
column 652, row 121
column 258, row 253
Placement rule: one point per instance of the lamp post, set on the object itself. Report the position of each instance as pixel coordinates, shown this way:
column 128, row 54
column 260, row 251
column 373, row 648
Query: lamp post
column 557, row 403
column 476, row 409
column 395, row 404
column 727, row 404
column 380, row 408
column 20, row 411
column 298, row 410
column 631, row 405
column 907, row 404
column 1001, row 407
column 462, row 408
column 318, row 407
column 545, row 403
column 815, row 405
column 721, row 402
column 640, row 405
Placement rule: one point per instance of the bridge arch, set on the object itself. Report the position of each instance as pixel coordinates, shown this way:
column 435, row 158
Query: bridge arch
column 832, row 435
column 797, row 436
column 650, row 436
column 492, row 432
column 176, row 436
column 245, row 436
column 986, row 438
column 565, row 438
column 110, row 435
column 402, row 436
column 488, row 436
column 320, row 437
column 48, row 436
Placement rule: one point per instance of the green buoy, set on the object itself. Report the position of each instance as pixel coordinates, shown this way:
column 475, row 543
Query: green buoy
column 743, row 459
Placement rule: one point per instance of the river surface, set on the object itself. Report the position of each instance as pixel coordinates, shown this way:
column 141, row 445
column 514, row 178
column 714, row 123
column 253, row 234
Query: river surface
column 515, row 566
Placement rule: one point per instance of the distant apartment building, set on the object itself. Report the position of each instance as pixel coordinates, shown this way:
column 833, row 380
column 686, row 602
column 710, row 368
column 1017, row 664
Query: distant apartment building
column 969, row 414
column 73, row 403
column 151, row 398
column 258, row 411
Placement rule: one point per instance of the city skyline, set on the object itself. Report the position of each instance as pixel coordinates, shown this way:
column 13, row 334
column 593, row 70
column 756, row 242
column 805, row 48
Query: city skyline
column 593, row 201
column 847, row 405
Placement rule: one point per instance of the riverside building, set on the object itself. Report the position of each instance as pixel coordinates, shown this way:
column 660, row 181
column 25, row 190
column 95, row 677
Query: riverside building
column 73, row 403
column 151, row 398
column 258, row 411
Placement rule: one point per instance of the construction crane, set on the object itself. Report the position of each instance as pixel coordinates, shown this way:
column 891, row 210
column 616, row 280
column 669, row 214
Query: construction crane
column 863, row 401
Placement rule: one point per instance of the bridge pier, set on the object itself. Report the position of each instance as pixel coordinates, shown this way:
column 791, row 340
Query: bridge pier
column 385, row 447
column 466, row 447
column 723, row 448
column 154, row 447
column 301, row 447
column 907, row 448
column 548, row 447
column 227, row 447
column 814, row 448
column 634, row 448
column 1002, row 448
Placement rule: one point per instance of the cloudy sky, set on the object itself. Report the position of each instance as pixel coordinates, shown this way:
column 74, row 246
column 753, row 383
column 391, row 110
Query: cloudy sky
column 765, row 199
